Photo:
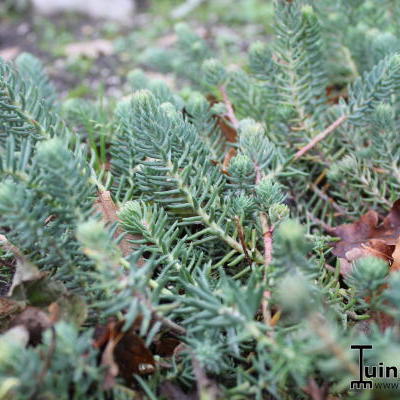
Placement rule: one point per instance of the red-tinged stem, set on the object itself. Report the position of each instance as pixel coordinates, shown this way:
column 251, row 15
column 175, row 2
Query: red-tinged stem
column 267, row 236
column 314, row 391
column 320, row 137
column 266, row 229
column 265, row 309
column 207, row 388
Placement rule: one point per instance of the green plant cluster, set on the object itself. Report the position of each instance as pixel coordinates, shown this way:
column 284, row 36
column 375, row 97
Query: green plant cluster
column 228, row 255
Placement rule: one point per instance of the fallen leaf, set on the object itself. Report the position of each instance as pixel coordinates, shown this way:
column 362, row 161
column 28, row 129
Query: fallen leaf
column 180, row 349
column 41, row 291
column 101, row 336
column 108, row 210
column 35, row 321
column 124, row 353
column 396, row 257
column 368, row 237
column 132, row 356
column 228, row 131
column 107, row 359
column 25, row 271
column 228, row 157
column 355, row 234
column 166, row 345
column 8, row 308
column 70, row 308
column 335, row 93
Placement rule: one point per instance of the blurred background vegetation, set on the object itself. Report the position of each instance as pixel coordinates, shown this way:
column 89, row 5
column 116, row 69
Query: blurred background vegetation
column 88, row 57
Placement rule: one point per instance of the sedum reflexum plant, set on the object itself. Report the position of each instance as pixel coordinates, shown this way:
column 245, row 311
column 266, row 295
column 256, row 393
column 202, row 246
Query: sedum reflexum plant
column 183, row 250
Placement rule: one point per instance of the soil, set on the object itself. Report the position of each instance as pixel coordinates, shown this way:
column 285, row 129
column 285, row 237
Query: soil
column 23, row 34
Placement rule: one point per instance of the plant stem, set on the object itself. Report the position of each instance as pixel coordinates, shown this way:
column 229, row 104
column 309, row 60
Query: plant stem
column 318, row 325
column 320, row 136
column 266, row 229
column 208, row 390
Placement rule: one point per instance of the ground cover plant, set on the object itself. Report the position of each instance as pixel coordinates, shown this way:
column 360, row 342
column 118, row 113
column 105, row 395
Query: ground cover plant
column 227, row 239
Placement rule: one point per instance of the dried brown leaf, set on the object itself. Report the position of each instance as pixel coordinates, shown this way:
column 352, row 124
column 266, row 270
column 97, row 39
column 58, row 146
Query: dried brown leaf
column 107, row 359
column 10, row 306
column 228, row 157
column 368, row 237
column 227, row 129
column 108, row 209
column 396, row 257
column 70, row 307
column 166, row 345
column 124, row 353
column 35, row 321
column 26, row 273
column 8, row 309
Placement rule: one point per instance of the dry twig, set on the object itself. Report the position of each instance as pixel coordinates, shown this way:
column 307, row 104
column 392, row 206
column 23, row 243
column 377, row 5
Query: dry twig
column 320, row 137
